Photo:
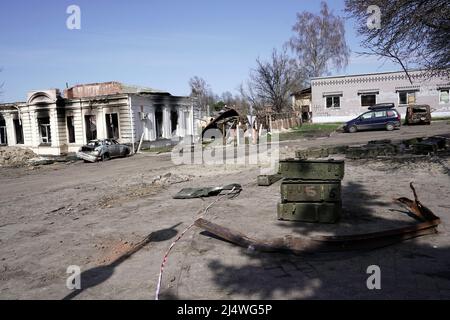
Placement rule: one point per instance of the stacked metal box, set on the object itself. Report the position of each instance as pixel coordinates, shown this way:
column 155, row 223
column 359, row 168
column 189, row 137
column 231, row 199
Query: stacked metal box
column 311, row 190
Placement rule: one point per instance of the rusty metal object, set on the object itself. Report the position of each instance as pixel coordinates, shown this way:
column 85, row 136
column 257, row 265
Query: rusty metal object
column 218, row 122
column 204, row 192
column 365, row 241
column 416, row 114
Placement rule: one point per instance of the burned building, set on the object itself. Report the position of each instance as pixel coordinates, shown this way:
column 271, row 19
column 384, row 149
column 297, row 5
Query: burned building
column 52, row 123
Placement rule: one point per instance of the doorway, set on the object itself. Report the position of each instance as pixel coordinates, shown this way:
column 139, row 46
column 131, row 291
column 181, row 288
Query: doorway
column 174, row 120
column 158, row 125
column 19, row 131
column 91, row 127
column 3, row 137
column 112, row 126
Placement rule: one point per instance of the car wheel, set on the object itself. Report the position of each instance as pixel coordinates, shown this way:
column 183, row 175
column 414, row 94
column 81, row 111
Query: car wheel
column 352, row 129
column 390, row 127
column 105, row 157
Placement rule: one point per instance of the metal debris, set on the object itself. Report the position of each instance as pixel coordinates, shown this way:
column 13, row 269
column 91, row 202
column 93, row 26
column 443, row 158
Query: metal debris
column 191, row 193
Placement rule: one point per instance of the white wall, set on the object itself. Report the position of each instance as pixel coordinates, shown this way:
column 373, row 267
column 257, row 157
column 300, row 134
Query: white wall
column 387, row 84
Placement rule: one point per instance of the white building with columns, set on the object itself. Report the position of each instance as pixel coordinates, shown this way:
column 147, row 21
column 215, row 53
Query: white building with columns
column 50, row 123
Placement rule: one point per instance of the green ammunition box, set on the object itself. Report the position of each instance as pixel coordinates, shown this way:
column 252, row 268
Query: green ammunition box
column 312, row 169
column 295, row 190
column 325, row 212
column 267, row 180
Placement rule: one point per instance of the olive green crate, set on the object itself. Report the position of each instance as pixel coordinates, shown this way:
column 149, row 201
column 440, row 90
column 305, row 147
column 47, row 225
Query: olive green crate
column 297, row 190
column 312, row 169
column 322, row 212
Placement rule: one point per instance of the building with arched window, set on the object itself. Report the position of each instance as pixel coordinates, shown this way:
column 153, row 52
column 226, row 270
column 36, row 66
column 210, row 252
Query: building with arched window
column 52, row 123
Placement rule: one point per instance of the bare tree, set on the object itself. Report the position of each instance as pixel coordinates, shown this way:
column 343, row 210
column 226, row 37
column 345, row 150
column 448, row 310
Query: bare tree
column 240, row 104
column 412, row 33
column 319, row 42
column 227, row 98
column 272, row 82
column 201, row 90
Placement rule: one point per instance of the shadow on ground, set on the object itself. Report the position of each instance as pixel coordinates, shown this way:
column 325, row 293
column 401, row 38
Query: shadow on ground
column 95, row 276
column 414, row 269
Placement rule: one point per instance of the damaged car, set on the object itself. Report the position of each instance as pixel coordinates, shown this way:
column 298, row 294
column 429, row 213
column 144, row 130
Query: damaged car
column 103, row 149
column 418, row 114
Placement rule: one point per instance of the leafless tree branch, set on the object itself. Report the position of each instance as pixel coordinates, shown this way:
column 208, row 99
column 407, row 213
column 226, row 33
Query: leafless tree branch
column 413, row 33
column 272, row 82
column 319, row 42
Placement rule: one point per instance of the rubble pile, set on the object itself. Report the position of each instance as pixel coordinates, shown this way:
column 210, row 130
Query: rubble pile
column 382, row 148
column 169, row 179
column 15, row 157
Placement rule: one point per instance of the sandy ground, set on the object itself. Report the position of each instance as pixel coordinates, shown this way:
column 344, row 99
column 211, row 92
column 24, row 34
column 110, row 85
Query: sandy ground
column 92, row 215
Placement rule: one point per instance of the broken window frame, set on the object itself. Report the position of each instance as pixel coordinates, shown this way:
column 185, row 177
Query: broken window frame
column 44, row 127
column 445, row 93
column 407, row 96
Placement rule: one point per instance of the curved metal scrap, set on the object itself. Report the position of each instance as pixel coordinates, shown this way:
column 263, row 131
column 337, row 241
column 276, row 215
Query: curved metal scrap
column 366, row 241
column 229, row 114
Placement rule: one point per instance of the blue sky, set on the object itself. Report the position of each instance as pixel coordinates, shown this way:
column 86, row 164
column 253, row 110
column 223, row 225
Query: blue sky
column 155, row 43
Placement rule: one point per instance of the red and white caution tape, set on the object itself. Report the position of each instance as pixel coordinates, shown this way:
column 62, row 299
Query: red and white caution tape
column 166, row 256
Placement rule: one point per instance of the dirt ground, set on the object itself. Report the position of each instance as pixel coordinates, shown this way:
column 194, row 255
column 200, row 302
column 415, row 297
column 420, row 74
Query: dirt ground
column 92, row 215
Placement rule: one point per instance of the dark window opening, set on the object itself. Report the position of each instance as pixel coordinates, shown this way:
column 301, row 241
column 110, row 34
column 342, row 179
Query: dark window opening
column 368, row 100
column 333, row 102
column 19, row 131
column 159, row 121
column 44, row 130
column 174, row 120
column 71, row 129
column 3, row 138
column 403, row 98
column 91, row 127
column 112, row 126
